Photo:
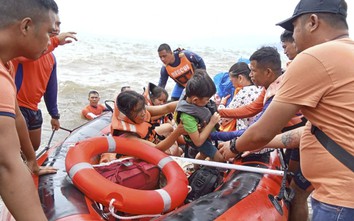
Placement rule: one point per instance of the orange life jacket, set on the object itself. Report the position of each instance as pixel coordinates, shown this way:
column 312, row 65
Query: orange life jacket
column 183, row 72
column 146, row 95
column 122, row 124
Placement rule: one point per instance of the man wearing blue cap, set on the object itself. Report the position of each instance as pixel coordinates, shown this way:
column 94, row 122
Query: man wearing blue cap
column 320, row 83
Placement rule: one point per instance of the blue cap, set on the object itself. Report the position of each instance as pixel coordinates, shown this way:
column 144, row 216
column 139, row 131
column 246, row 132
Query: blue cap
column 314, row 6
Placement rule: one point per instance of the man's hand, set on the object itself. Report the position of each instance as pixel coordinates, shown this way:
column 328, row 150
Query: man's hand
column 180, row 129
column 66, row 37
column 40, row 170
column 46, row 170
column 224, row 99
column 224, row 149
column 55, row 124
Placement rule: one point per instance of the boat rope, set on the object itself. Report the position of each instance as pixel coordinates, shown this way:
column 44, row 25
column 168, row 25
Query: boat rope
column 66, row 129
column 231, row 166
column 111, row 210
column 46, row 147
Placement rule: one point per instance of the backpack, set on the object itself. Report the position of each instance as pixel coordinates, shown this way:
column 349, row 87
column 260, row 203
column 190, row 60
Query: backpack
column 224, row 86
column 132, row 173
column 203, row 181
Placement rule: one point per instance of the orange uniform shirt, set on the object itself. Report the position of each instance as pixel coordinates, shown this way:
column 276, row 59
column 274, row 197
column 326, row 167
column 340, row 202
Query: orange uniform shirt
column 90, row 112
column 7, row 91
column 321, row 81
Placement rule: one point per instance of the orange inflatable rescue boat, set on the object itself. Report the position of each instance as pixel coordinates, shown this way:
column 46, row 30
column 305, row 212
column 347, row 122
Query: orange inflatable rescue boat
column 78, row 192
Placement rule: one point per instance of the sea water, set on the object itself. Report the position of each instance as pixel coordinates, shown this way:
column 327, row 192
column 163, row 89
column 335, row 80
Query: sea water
column 106, row 64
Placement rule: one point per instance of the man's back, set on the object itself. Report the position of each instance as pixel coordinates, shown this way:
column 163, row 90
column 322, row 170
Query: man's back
column 32, row 79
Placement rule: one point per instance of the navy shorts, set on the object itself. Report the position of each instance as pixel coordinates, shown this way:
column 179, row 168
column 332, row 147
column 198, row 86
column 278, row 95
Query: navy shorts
column 207, row 148
column 33, row 118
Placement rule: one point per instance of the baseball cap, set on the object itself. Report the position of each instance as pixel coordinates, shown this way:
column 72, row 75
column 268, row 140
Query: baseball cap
column 314, row 6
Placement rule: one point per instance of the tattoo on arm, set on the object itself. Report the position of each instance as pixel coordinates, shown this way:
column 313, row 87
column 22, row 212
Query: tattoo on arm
column 291, row 139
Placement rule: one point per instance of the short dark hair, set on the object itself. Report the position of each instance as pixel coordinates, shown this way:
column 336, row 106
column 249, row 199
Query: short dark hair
column 287, row 36
column 268, row 57
column 93, row 92
column 200, row 85
column 127, row 101
column 124, row 88
column 165, row 47
column 11, row 10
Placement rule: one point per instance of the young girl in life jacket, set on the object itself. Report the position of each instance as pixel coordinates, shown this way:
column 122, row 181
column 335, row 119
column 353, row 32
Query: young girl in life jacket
column 131, row 118
column 154, row 96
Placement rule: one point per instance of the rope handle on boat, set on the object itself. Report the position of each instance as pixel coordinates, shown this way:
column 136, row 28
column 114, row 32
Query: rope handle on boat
column 111, row 210
column 68, row 130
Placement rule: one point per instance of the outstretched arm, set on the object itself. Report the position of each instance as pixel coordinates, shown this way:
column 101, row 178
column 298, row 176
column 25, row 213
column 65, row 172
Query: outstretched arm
column 61, row 39
column 245, row 111
column 161, row 110
column 225, row 136
column 265, row 129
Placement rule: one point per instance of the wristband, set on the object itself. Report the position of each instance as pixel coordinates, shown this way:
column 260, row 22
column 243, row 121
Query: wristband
column 57, row 116
column 233, row 147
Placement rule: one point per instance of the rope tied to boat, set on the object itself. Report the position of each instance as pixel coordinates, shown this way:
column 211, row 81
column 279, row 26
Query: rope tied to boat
column 111, row 210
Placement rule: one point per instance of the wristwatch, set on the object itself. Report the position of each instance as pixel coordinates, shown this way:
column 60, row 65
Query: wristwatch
column 233, row 147
column 57, row 116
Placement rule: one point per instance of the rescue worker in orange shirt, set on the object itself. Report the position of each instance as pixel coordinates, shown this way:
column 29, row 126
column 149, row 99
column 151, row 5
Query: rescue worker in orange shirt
column 37, row 78
column 94, row 109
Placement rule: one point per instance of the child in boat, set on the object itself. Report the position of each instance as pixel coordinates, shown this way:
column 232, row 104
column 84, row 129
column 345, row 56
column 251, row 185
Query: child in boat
column 131, row 118
column 197, row 119
column 156, row 95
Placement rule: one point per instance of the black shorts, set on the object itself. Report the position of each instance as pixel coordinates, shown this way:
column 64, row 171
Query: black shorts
column 33, row 118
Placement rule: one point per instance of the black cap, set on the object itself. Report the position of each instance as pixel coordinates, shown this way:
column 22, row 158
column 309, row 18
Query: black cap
column 313, row 6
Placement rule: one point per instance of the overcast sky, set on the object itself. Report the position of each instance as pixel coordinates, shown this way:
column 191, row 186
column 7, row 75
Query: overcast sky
column 187, row 20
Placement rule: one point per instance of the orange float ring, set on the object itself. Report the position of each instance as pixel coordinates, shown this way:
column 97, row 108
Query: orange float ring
column 128, row 200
